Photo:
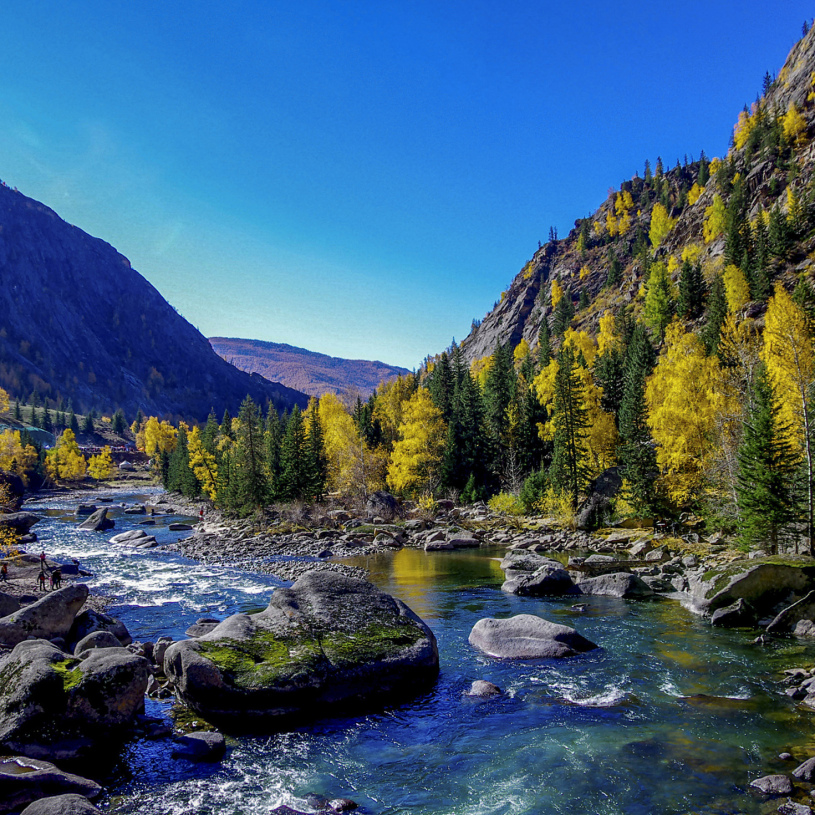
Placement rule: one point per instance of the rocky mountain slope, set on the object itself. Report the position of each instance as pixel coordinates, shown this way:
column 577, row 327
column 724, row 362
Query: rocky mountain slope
column 769, row 166
column 307, row 371
column 78, row 322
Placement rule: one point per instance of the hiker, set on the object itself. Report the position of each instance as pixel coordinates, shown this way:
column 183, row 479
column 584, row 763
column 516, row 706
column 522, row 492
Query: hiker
column 4, row 573
column 42, row 561
column 56, row 579
column 41, row 581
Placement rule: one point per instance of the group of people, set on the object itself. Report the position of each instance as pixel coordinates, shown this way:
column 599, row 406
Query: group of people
column 54, row 577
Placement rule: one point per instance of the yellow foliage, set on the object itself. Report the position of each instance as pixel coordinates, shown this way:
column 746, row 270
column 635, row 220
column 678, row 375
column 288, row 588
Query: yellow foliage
column 353, row 467
column 202, row 463
column 544, row 385
column 715, row 219
column 611, row 223
column 100, row 466
column 691, row 252
column 789, row 356
column 744, row 126
column 585, row 272
column 156, row 437
column 794, row 125
column 606, row 338
column 598, row 228
column 695, row 193
column 683, row 402
column 415, row 463
column 14, row 457
column 506, row 504
column 661, row 224
column 715, row 165
column 480, row 368
column 528, row 269
column 65, row 462
column 503, row 296
column 388, row 405
column 673, row 265
column 736, row 287
column 521, row 351
column 582, row 343
column 623, row 223
column 558, row 505
column 556, row 292
column 4, row 401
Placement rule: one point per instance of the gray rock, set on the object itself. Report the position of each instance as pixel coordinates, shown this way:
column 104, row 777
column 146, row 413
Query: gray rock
column 483, row 688
column 127, row 466
column 328, row 643
column 68, row 804
column 772, row 785
column 203, row 746
column 805, row 629
column 619, row 584
column 89, row 621
column 791, row 808
column 8, row 604
column 381, row 504
column 805, row 771
column 98, row 522
column 140, row 509
column 521, row 560
column 146, row 543
column 737, row 615
column 19, row 522
column 98, row 639
column 464, row 543
column 49, row 617
column 84, row 509
column 527, row 637
column 179, row 527
column 57, row 705
column 160, row 649
column 202, row 626
column 656, row 555
column 131, row 536
column 787, row 619
column 548, row 580
column 24, row 780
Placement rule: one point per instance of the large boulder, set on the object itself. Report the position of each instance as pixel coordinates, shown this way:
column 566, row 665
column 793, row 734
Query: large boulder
column 762, row 584
column 23, row 780
column 547, row 581
column 68, row 804
column 19, row 522
column 381, row 505
column 788, row 618
column 527, row 637
column 736, row 615
column 51, row 616
column 89, row 621
column 327, row 644
column 131, row 536
column 619, row 584
column 8, row 604
column 98, row 521
column 99, row 639
column 54, row 706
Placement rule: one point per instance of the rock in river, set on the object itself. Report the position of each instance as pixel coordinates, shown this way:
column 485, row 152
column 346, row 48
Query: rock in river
column 52, row 616
column 23, row 780
column 327, row 644
column 69, row 804
column 98, row 522
column 618, row 584
column 525, row 636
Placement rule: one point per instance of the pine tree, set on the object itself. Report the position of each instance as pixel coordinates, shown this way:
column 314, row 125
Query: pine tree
column 292, row 458
column 779, row 233
column 544, row 344
column 583, row 302
column 226, row 425
column 180, row 478
column 18, row 414
column 315, row 473
column 609, row 375
column 767, row 465
column 209, row 438
column 440, row 385
column 691, row 291
column 564, row 312
column 715, row 315
column 87, row 424
column 73, row 422
column 249, row 483
column 615, row 269
column 118, row 424
column 568, row 470
column 499, row 391
column 46, row 422
column 658, row 300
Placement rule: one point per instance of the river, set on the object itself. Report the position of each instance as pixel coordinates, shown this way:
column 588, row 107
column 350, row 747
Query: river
column 667, row 716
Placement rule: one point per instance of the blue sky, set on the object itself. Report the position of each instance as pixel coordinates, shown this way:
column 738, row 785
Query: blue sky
column 360, row 179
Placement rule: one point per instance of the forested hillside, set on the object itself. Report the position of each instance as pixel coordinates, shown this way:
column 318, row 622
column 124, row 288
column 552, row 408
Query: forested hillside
column 80, row 325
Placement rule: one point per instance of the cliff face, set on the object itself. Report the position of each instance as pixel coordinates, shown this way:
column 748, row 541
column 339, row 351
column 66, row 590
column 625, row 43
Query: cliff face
column 307, row 371
column 77, row 322
column 769, row 166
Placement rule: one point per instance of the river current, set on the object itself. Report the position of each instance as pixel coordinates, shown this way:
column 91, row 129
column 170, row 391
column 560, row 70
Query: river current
column 667, row 716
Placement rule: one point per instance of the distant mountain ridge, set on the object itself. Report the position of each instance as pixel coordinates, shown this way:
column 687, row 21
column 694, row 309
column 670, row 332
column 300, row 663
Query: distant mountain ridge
column 78, row 323
column 307, row 371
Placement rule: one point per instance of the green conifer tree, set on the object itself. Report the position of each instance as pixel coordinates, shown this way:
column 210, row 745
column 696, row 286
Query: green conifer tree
column 691, row 291
column 249, row 482
column 292, row 458
column 544, row 345
column 715, row 315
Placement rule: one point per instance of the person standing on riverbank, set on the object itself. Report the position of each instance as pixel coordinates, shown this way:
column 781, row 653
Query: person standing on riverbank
column 4, row 573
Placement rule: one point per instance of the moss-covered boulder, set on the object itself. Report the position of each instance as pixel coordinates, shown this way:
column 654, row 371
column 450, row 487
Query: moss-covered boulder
column 50, row 617
column 760, row 583
column 57, row 707
column 329, row 644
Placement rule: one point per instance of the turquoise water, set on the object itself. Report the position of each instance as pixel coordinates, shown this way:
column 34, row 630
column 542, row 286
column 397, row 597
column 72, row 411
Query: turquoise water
column 668, row 716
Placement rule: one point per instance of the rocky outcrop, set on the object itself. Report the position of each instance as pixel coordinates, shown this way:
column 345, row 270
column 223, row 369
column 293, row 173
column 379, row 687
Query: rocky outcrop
column 382, row 505
column 204, row 746
column 737, row 615
column 18, row 522
column 98, row 521
column 88, row 621
column 618, row 584
column 50, row 617
column 54, row 706
column 24, row 780
column 788, row 618
column 527, row 637
column 69, row 804
column 328, row 643
column 550, row 580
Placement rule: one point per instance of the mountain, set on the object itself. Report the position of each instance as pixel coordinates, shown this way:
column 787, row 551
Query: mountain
column 78, row 322
column 304, row 370
column 757, row 206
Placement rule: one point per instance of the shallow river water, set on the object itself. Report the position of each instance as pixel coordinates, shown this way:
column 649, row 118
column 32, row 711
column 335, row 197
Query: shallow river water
column 667, row 716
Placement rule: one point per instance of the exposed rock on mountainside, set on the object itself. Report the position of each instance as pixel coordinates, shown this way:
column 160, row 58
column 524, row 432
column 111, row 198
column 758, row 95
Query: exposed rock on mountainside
column 604, row 256
column 78, row 322
column 307, row 371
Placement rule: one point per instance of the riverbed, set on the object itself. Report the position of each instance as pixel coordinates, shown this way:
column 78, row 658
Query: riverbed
column 667, row 716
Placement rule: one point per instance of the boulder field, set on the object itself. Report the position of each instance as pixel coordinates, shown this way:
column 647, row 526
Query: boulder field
column 329, row 643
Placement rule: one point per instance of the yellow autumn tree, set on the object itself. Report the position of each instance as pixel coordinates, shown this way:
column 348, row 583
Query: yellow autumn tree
column 100, row 466
column 480, row 368
column 788, row 354
column 202, row 463
column 521, row 351
column 156, row 438
column 622, row 206
column 415, row 463
column 4, row 401
column 736, row 287
column 683, row 402
column 794, row 126
column 390, row 399
column 16, row 457
column 65, row 461
column 695, row 193
column 606, row 337
column 715, row 219
column 556, row 292
column 661, row 224
column 742, row 129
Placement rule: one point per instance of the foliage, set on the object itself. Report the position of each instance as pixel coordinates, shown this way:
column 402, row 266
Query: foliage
column 15, row 456
column 715, row 219
column 100, row 466
column 506, row 504
column 736, row 287
column 661, row 224
column 65, row 461
column 658, row 299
